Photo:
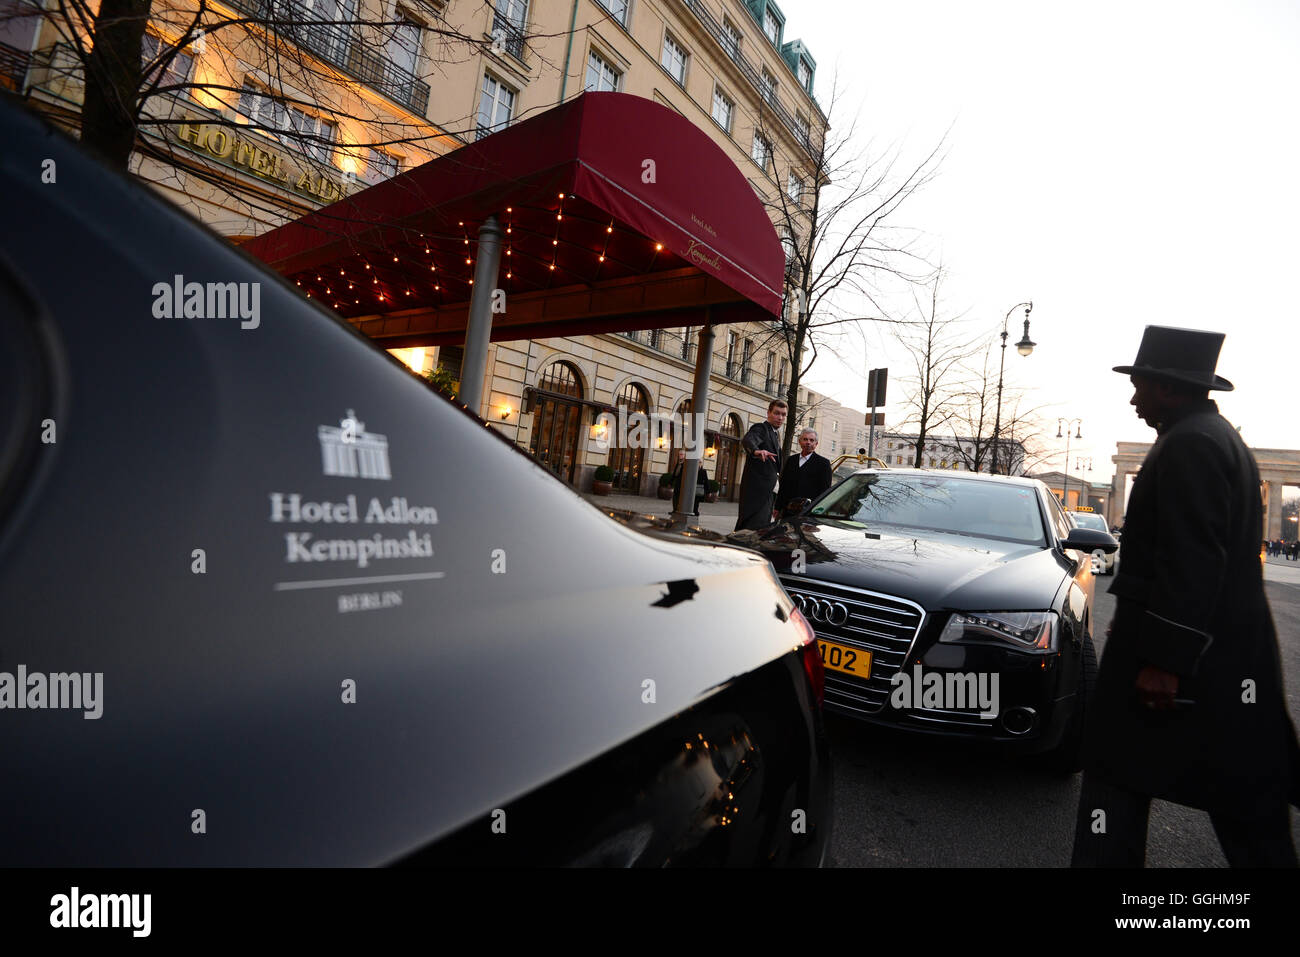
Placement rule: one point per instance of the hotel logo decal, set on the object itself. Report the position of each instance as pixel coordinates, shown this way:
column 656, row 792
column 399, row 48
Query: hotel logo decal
column 349, row 451
column 242, row 149
column 698, row 254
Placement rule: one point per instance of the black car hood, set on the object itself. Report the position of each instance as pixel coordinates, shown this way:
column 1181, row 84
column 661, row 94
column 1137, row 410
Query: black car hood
column 256, row 665
column 934, row 569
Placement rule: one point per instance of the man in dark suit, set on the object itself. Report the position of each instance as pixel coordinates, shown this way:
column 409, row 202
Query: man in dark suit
column 1189, row 704
column 701, row 483
column 806, row 474
column 762, row 445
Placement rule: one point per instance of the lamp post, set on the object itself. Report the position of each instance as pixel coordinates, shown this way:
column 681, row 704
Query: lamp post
column 1024, row 347
column 1065, row 492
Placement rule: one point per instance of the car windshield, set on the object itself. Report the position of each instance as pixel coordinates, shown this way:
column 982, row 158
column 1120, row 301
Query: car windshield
column 958, row 506
column 1089, row 520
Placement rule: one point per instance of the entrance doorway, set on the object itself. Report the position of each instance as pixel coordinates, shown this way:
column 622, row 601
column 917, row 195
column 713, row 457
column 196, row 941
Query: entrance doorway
column 730, row 458
column 629, row 464
column 557, row 419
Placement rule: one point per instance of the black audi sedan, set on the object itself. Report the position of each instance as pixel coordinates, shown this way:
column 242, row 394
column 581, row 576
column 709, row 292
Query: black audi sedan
column 948, row 603
column 270, row 600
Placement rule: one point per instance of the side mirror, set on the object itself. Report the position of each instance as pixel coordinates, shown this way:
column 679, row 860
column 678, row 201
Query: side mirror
column 1089, row 540
column 797, row 505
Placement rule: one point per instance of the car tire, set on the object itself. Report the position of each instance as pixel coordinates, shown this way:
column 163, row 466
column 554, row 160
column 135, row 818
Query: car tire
column 1067, row 757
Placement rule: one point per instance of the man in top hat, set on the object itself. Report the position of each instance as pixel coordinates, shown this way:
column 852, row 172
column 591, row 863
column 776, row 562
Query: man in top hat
column 1189, row 705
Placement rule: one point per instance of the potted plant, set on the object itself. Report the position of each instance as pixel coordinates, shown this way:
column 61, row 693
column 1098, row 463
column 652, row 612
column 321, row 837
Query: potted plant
column 602, row 483
column 712, row 495
column 666, row 485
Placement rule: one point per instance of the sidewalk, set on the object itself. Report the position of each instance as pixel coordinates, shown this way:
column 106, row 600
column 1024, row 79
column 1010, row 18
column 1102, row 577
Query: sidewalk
column 1278, row 569
column 716, row 517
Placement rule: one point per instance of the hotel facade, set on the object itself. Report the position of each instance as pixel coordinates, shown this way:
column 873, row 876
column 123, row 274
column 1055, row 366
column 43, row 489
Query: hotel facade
column 280, row 107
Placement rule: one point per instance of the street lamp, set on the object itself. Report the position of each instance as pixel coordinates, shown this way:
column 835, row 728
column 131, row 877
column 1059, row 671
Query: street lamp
column 1065, row 492
column 1024, row 347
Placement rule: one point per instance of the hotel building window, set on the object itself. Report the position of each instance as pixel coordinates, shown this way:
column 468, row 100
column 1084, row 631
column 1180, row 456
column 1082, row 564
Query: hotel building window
column 601, row 77
column 731, row 42
column 723, row 109
column 381, row 166
column 178, row 70
column 769, row 86
column 772, row 26
column 496, row 105
column 312, row 134
column 508, row 24
column 326, row 30
column 794, row 188
column 404, row 43
column 805, row 75
column 616, row 7
column 788, row 245
column 761, row 151
column 673, row 59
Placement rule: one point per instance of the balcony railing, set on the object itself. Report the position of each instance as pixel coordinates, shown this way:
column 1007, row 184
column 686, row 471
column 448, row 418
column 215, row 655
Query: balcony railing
column 337, row 45
column 797, row 129
column 661, row 340
column 509, row 35
column 673, row 345
column 13, row 66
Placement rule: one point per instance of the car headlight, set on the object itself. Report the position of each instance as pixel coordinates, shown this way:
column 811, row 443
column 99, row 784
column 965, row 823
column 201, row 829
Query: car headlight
column 1032, row 631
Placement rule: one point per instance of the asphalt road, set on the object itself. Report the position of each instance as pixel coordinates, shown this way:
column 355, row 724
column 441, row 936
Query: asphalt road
column 907, row 801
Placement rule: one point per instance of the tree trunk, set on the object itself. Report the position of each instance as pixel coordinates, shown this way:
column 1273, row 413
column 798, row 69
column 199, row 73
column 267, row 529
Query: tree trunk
column 113, row 81
column 792, row 393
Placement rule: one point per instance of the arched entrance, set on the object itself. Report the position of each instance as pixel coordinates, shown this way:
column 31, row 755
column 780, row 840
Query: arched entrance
column 629, row 464
column 730, row 457
column 557, row 419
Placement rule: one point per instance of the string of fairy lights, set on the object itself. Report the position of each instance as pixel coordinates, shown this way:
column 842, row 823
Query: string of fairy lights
column 358, row 282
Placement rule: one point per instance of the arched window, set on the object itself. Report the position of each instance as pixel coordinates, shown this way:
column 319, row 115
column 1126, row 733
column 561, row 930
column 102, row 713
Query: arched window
column 629, row 464
column 730, row 457
column 557, row 419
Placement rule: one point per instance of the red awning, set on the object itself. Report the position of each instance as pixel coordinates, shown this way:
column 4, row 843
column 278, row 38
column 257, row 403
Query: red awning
column 620, row 214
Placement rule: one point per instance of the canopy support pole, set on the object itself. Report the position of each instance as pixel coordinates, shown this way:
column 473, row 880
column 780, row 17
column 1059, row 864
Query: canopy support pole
column 478, row 334
column 684, row 508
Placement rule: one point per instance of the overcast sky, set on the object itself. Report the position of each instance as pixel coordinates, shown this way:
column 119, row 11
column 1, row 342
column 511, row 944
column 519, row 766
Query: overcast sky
column 1119, row 163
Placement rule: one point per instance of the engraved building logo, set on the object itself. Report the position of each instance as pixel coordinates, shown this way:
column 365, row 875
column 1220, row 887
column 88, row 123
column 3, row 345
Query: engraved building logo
column 348, row 450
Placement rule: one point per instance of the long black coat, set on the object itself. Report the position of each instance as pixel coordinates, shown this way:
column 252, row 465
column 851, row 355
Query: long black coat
column 759, row 479
column 701, row 487
column 1191, row 601
column 803, row 481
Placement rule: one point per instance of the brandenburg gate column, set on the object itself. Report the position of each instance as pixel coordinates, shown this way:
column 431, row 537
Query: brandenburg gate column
column 1273, row 519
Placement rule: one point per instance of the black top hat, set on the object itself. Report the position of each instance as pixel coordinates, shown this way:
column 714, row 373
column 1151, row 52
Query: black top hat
column 1179, row 355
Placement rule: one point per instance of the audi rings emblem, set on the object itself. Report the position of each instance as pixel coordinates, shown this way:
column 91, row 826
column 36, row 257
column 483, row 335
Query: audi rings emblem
column 822, row 609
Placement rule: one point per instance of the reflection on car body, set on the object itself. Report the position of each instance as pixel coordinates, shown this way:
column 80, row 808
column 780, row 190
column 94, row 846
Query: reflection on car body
column 1102, row 563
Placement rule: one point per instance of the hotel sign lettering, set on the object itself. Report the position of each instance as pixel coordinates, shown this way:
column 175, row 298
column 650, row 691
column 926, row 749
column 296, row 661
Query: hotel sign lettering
column 232, row 148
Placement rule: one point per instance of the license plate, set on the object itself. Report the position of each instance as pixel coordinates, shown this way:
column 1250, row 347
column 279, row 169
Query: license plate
column 842, row 658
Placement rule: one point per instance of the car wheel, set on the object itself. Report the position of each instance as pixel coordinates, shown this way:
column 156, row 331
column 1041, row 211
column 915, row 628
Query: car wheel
column 1067, row 757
